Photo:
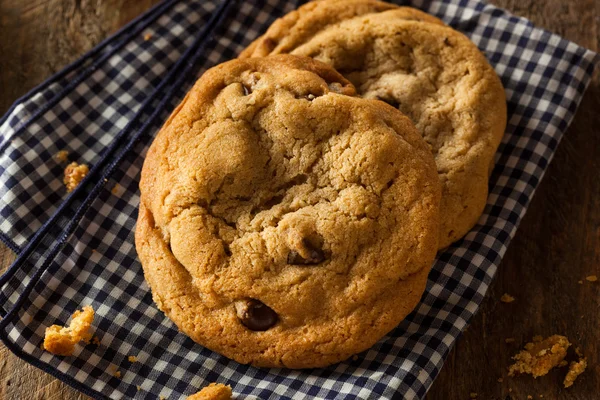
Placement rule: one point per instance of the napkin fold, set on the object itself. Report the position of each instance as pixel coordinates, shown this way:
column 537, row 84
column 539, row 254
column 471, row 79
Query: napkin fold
column 105, row 109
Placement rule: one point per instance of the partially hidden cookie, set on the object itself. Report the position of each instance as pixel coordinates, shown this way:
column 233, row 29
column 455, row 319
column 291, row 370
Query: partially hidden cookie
column 430, row 72
column 301, row 25
column 282, row 221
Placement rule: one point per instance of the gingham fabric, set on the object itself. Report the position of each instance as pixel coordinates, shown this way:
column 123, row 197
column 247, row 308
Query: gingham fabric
column 105, row 109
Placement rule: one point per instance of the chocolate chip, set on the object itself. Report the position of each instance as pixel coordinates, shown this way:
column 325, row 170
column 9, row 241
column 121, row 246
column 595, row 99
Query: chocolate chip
column 255, row 315
column 315, row 255
column 390, row 101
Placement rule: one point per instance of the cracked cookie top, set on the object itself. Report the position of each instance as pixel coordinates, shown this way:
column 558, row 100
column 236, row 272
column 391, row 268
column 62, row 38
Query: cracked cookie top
column 430, row 72
column 283, row 221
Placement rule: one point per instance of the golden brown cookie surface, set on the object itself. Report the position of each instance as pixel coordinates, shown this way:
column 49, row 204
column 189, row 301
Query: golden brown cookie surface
column 282, row 221
column 430, row 72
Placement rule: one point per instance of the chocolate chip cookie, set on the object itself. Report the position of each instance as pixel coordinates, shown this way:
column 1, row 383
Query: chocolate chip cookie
column 284, row 221
column 430, row 72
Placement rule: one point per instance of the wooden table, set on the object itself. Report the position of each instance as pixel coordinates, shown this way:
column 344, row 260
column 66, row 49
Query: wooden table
column 557, row 244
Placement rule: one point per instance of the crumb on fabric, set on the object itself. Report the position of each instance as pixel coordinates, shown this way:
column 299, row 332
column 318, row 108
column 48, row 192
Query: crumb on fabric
column 115, row 189
column 540, row 356
column 214, row 391
column 132, row 359
column 96, row 340
column 591, row 278
column 354, row 357
column 507, row 298
column 138, row 387
column 74, row 174
column 61, row 340
column 147, row 36
column 575, row 369
column 117, row 374
column 62, row 156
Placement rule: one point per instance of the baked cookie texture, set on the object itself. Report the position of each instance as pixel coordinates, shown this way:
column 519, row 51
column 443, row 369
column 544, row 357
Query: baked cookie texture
column 214, row 391
column 429, row 71
column 282, row 221
column 61, row 340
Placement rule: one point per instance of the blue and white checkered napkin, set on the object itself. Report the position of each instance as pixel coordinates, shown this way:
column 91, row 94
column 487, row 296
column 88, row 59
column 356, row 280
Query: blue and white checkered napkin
column 76, row 249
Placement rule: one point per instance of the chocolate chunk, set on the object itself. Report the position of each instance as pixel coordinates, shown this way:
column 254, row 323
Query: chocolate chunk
column 255, row 315
column 315, row 255
column 390, row 101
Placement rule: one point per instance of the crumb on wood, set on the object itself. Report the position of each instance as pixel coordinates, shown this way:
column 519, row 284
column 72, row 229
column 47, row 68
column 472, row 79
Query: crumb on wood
column 500, row 380
column 473, row 395
column 62, row 156
column 580, row 282
column 132, row 359
column 74, row 174
column 214, row 391
column 591, row 278
column 507, row 298
column 61, row 340
column 539, row 357
column 529, row 397
column 575, row 369
column 509, row 340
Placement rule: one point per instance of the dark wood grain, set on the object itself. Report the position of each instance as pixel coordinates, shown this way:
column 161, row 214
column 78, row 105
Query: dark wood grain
column 557, row 244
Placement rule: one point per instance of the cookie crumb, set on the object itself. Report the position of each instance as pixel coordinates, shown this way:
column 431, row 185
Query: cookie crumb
column 473, row 395
column 575, row 369
column 147, row 36
column 161, row 397
column 132, row 359
column 537, row 338
column 62, row 156
column 591, row 278
column 580, row 282
column 214, row 391
column 509, row 340
column 529, row 397
column 507, row 298
column 61, row 340
column 138, row 387
column 74, row 174
column 354, row 357
column 117, row 374
column 500, row 380
column 96, row 340
column 115, row 189
column 540, row 356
